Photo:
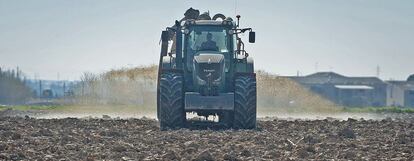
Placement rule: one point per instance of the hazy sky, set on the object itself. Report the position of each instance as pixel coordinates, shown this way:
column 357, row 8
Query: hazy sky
column 351, row 37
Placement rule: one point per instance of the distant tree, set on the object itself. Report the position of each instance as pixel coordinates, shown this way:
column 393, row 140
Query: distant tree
column 12, row 88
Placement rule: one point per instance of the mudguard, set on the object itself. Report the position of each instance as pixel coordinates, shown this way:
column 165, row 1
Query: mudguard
column 245, row 65
column 168, row 62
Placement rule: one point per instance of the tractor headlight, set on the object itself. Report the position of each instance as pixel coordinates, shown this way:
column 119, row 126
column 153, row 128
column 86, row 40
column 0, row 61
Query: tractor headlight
column 217, row 82
column 200, row 81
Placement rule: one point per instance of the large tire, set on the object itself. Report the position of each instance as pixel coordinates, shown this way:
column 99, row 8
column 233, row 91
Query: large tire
column 171, row 101
column 245, row 102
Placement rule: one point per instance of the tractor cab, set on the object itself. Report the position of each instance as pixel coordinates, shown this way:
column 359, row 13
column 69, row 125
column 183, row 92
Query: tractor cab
column 207, row 50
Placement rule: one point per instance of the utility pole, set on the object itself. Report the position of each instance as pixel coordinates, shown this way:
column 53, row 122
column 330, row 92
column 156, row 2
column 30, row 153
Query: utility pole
column 40, row 89
column 64, row 88
column 83, row 88
column 17, row 72
column 58, row 84
column 378, row 71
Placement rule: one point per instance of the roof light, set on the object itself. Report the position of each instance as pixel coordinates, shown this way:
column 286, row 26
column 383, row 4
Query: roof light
column 189, row 22
column 226, row 22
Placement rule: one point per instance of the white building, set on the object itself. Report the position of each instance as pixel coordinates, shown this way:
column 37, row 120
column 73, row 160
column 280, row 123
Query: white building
column 401, row 93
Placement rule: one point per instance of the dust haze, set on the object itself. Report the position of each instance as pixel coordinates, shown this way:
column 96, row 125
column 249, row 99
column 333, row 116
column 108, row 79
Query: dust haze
column 131, row 92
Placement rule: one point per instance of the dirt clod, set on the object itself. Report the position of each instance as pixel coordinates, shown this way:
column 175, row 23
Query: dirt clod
column 204, row 156
column 347, row 133
column 170, row 155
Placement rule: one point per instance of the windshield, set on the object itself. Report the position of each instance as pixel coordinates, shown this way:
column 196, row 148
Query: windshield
column 208, row 38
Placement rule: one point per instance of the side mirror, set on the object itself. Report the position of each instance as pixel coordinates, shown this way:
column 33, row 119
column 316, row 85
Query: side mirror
column 164, row 43
column 252, row 37
column 164, row 36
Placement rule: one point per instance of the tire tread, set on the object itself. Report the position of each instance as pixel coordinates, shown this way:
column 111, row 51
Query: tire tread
column 245, row 102
column 172, row 114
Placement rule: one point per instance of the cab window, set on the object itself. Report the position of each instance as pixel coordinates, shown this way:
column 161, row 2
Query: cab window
column 212, row 39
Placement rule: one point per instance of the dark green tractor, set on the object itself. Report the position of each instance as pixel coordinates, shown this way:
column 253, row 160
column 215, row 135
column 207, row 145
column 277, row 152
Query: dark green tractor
column 204, row 69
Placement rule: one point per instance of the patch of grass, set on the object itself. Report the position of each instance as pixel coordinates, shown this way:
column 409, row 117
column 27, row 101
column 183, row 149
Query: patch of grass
column 379, row 109
column 83, row 109
column 32, row 107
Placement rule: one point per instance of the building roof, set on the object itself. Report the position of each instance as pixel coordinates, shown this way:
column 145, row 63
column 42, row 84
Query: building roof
column 403, row 84
column 397, row 82
column 325, row 74
column 354, row 87
column 335, row 78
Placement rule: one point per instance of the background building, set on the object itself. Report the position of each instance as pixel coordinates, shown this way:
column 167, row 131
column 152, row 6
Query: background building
column 401, row 93
column 51, row 88
column 346, row 91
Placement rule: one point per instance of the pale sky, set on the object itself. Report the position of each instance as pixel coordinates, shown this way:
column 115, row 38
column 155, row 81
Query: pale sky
column 69, row 37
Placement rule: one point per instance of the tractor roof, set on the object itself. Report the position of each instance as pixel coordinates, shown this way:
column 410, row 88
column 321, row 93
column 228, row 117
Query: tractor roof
column 209, row 22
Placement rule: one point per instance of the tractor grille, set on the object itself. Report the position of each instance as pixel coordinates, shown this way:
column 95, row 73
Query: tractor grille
column 209, row 66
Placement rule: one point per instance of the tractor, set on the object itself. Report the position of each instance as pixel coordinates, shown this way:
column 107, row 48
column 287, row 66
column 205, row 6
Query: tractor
column 205, row 70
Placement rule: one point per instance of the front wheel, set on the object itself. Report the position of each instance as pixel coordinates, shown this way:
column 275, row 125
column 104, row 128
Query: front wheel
column 245, row 102
column 171, row 101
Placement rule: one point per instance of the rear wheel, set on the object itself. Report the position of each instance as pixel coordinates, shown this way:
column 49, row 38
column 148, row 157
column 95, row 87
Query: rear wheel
column 245, row 102
column 171, row 101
